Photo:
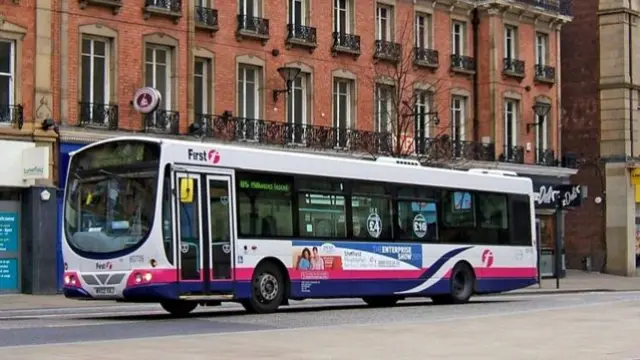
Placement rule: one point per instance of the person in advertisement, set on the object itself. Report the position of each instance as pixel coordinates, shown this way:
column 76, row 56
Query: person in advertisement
column 317, row 263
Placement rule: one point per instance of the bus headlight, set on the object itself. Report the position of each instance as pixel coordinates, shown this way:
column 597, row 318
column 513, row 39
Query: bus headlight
column 139, row 278
column 70, row 280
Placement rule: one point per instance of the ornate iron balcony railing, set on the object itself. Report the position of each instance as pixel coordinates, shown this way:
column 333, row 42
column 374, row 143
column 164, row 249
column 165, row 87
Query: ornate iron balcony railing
column 98, row 115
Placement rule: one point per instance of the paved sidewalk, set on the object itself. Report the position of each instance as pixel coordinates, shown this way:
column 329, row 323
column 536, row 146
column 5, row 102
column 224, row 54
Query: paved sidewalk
column 580, row 281
column 576, row 281
column 605, row 331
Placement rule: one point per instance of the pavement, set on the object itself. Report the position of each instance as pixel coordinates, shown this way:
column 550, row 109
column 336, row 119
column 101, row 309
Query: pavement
column 575, row 281
column 596, row 325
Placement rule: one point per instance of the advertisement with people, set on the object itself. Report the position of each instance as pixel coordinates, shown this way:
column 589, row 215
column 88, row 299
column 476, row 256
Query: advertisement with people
column 323, row 259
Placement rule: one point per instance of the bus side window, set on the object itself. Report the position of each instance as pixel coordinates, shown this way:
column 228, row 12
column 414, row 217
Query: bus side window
column 520, row 220
column 493, row 219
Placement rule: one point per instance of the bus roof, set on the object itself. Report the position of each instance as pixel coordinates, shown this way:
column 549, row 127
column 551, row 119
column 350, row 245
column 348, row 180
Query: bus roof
column 263, row 159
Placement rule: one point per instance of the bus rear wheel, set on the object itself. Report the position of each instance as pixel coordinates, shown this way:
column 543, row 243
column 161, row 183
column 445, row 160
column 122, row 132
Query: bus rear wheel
column 380, row 301
column 179, row 308
column 462, row 285
column 267, row 290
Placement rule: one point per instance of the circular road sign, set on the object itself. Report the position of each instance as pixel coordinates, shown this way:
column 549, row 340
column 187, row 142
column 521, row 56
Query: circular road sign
column 146, row 100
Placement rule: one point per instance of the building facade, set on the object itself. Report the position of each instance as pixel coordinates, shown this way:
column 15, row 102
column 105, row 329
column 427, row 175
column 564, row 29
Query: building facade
column 585, row 226
column 619, row 87
column 464, row 83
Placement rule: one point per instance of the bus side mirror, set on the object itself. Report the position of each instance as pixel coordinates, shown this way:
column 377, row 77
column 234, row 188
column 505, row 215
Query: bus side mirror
column 186, row 190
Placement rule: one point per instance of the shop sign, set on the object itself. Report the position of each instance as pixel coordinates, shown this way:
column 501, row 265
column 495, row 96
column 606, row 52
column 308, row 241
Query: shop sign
column 549, row 196
column 35, row 163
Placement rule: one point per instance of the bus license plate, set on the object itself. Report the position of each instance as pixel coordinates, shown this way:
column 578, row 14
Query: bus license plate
column 107, row 290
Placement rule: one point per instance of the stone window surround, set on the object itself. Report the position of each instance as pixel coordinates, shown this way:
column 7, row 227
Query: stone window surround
column 16, row 33
column 110, row 35
column 346, row 75
column 205, row 54
column 162, row 39
column 307, row 72
column 252, row 60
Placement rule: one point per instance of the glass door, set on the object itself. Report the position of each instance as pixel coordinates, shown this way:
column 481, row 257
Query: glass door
column 219, row 229
column 189, row 244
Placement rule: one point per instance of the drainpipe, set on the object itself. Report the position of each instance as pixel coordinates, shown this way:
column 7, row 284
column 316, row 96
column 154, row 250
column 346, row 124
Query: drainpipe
column 630, row 39
column 475, row 21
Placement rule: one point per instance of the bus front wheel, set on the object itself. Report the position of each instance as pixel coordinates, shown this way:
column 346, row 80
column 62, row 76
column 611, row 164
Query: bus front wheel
column 267, row 290
column 179, row 308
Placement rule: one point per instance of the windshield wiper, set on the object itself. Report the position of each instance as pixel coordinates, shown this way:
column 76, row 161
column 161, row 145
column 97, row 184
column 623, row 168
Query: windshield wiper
column 110, row 174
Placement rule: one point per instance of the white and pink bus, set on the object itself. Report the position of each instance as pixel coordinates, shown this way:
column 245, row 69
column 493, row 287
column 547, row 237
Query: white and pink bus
column 186, row 223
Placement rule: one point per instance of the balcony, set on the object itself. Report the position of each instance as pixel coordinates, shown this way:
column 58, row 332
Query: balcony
column 168, row 8
column 512, row 154
column 445, row 149
column 545, row 74
column 513, row 68
column 387, row 51
column 114, row 5
column 162, row 121
column 463, row 64
column 206, row 18
column 562, row 7
column 440, row 150
column 546, row 157
column 104, row 116
column 346, row 44
column 302, row 36
column 253, row 28
column 12, row 115
column 428, row 58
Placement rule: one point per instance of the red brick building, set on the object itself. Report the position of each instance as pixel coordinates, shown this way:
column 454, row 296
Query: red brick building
column 584, row 231
column 475, row 70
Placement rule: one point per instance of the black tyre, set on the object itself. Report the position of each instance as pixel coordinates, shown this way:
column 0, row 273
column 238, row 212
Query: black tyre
column 179, row 308
column 380, row 301
column 462, row 286
column 267, row 290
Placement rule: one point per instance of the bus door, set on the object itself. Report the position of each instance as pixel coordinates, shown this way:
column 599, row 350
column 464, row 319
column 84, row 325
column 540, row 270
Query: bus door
column 189, row 204
column 204, row 233
column 220, row 216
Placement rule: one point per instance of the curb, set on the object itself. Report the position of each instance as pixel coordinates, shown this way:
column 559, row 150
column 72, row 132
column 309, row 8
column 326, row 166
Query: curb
column 567, row 291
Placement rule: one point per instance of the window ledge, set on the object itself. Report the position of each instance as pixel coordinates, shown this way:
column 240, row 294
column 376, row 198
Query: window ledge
column 115, row 5
column 462, row 70
column 544, row 80
column 345, row 50
column 513, row 74
column 159, row 11
column 204, row 26
column 426, row 64
column 241, row 34
column 301, row 43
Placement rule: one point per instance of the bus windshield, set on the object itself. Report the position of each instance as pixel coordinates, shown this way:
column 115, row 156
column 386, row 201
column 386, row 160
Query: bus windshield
column 110, row 200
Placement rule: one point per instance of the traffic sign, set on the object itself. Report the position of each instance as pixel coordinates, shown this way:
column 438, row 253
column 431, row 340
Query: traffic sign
column 146, row 100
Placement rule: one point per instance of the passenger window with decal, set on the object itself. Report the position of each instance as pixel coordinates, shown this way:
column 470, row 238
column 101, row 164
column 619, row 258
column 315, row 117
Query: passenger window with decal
column 458, row 209
column 417, row 220
column 371, row 208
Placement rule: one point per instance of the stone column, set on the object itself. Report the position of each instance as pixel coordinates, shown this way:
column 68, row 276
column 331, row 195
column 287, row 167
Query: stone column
column 43, row 100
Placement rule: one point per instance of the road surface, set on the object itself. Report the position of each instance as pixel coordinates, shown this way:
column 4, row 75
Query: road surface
column 575, row 326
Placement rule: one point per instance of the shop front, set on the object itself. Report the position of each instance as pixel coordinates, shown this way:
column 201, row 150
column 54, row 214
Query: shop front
column 26, row 200
column 552, row 200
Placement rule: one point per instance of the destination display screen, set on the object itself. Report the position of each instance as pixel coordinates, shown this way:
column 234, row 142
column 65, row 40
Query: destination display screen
column 264, row 186
column 116, row 154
